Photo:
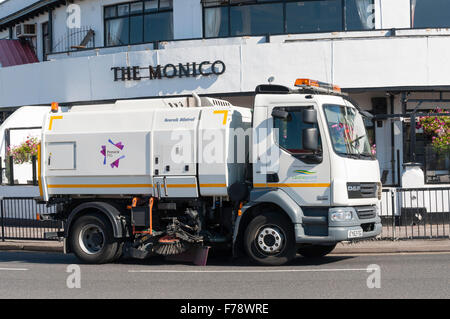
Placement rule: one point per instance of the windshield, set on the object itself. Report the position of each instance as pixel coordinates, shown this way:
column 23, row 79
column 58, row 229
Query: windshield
column 347, row 131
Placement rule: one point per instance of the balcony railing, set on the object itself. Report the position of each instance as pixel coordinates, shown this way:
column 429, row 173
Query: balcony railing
column 76, row 39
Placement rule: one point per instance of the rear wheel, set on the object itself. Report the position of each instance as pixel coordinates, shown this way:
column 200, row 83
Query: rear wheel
column 269, row 239
column 92, row 239
column 312, row 251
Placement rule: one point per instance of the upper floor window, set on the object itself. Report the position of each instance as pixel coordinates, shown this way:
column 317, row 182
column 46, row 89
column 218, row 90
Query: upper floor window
column 430, row 13
column 138, row 22
column 258, row 17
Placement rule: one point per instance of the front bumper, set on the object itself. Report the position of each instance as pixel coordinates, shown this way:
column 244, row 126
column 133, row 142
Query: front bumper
column 331, row 232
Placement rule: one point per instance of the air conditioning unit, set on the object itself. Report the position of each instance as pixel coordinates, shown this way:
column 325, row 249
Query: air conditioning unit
column 26, row 30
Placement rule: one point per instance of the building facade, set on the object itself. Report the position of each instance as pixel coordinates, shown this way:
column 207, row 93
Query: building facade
column 390, row 56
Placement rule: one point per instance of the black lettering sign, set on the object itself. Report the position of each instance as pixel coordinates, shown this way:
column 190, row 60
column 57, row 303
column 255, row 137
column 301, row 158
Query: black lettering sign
column 169, row 71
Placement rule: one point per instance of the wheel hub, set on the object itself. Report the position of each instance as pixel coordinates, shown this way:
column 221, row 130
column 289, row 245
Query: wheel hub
column 91, row 239
column 270, row 240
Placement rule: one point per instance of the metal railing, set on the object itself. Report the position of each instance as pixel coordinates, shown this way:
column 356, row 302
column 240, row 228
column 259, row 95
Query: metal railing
column 419, row 213
column 19, row 219
column 76, row 39
column 415, row 213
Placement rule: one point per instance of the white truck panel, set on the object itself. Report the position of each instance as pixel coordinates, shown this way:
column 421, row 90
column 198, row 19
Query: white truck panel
column 153, row 147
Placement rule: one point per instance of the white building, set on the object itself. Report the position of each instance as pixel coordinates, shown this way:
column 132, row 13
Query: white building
column 390, row 55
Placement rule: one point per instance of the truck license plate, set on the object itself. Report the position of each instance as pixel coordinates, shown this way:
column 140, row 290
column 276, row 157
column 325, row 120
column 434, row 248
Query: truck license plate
column 355, row 233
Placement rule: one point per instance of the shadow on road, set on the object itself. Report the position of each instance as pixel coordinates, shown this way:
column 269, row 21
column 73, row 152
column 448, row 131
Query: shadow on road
column 36, row 257
column 235, row 262
column 215, row 260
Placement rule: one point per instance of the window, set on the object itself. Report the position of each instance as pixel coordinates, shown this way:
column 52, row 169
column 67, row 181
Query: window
column 259, row 17
column 436, row 164
column 289, row 132
column 45, row 41
column 313, row 16
column 430, row 13
column 347, row 131
column 138, row 22
column 359, row 15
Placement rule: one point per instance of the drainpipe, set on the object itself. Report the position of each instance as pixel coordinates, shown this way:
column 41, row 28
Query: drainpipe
column 50, row 31
column 391, row 99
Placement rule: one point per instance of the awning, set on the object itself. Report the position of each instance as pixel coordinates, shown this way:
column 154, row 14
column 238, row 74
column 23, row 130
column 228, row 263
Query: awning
column 15, row 52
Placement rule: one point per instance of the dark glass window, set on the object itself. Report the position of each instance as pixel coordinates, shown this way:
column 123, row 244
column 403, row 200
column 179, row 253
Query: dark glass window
column 313, row 16
column 430, row 13
column 289, row 132
column 359, row 15
column 136, row 29
column 138, row 22
column 156, row 27
column 117, row 31
column 216, row 22
column 257, row 17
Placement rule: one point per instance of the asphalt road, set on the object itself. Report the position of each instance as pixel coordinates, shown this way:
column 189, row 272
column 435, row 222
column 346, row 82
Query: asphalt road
column 44, row 275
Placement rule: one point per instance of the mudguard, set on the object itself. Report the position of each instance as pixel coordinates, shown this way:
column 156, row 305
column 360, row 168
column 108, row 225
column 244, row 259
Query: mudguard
column 111, row 212
column 273, row 196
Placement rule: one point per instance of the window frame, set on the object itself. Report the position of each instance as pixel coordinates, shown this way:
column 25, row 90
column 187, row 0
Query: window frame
column 304, row 157
column 142, row 13
column 229, row 3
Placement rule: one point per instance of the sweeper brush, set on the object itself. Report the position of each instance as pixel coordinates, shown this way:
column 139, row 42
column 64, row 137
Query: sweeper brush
column 168, row 245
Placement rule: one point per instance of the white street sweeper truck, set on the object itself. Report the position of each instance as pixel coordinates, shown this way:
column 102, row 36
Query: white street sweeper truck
column 170, row 176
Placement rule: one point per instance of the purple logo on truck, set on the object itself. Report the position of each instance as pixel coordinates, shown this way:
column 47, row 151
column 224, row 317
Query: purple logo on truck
column 112, row 154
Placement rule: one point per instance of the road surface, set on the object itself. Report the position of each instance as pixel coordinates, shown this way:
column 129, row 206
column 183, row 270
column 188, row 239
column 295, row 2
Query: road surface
column 44, row 275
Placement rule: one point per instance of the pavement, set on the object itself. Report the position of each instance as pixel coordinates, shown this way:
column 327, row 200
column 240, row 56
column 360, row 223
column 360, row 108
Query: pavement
column 345, row 248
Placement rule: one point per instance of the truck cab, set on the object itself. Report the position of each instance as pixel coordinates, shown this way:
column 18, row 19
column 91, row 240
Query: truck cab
column 313, row 161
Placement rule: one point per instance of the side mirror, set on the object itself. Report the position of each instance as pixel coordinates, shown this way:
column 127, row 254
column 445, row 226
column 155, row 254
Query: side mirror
column 310, row 139
column 309, row 116
column 281, row 114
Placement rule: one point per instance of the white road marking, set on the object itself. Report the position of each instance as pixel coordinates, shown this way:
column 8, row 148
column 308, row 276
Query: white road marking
column 245, row 271
column 14, row 269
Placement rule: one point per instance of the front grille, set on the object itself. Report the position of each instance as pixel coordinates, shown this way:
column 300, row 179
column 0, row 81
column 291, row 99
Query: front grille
column 362, row 190
column 366, row 212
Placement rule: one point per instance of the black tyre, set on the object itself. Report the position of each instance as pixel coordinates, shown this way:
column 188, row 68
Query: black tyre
column 92, row 239
column 313, row 251
column 119, row 251
column 269, row 239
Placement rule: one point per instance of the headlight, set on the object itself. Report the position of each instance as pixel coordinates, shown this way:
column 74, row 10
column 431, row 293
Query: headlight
column 340, row 216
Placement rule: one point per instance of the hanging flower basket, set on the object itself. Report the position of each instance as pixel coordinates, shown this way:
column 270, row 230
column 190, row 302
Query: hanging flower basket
column 24, row 152
column 438, row 128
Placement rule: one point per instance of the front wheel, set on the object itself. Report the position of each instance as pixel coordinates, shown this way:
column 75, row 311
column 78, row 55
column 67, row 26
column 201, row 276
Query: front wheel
column 269, row 239
column 313, row 251
column 92, row 239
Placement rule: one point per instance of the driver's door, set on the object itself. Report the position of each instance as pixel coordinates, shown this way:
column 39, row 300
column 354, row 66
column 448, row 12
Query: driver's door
column 303, row 174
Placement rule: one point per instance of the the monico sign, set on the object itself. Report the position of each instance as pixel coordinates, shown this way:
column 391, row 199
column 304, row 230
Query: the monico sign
column 180, row 70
